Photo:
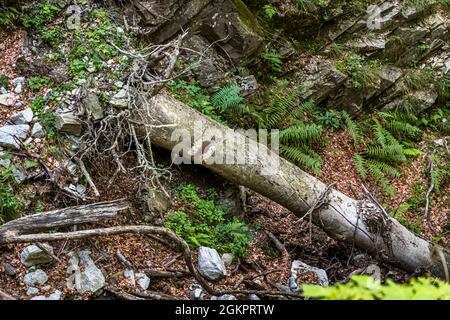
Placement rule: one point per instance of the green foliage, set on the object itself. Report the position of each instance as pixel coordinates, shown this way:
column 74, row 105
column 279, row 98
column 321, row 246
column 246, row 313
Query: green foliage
column 204, row 223
column 362, row 73
column 367, row 288
column 9, row 204
column 275, row 60
column 228, row 98
column 45, row 115
column 331, row 119
column 195, row 97
column 53, row 35
column 39, row 15
column 303, row 156
column 269, row 11
column 353, row 129
column 38, row 82
column 8, row 16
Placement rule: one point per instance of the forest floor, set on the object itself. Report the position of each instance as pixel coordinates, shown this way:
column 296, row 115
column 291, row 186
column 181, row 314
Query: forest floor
column 262, row 215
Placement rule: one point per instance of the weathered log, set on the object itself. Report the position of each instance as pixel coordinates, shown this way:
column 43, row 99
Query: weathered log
column 342, row 218
column 89, row 213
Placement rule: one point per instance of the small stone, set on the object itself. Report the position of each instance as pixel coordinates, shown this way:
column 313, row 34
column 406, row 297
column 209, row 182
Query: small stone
column 18, row 80
column 10, row 133
column 254, row 297
column 88, row 278
column 37, row 131
column 322, row 277
column 54, row 296
column 224, row 297
column 9, row 269
column 143, row 280
column 3, row 90
column 227, row 259
column 22, row 117
column 439, row 142
column 118, row 84
column 18, row 89
column 32, row 291
column 19, row 176
column 36, row 277
column 33, row 255
column 7, row 99
column 68, row 123
column 120, row 99
column 210, row 265
column 93, row 107
column 129, row 274
column 197, row 294
column 374, row 271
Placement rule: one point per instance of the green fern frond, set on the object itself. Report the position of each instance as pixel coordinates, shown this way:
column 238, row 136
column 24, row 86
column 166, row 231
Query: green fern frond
column 227, row 98
column 385, row 168
column 360, row 166
column 302, row 156
column 389, row 153
column 301, row 133
column 403, row 128
column 353, row 129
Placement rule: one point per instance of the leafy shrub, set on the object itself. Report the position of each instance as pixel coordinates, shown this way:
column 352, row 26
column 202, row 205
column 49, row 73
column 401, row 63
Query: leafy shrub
column 367, row 288
column 331, row 119
column 9, row 204
column 204, row 223
column 37, row 83
column 363, row 73
column 8, row 16
column 269, row 10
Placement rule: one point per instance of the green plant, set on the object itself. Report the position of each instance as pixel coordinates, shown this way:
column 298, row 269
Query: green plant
column 362, row 73
column 38, row 82
column 228, row 98
column 8, row 16
column 53, row 35
column 45, row 115
column 331, row 119
column 202, row 222
column 269, row 11
column 39, row 16
column 353, row 129
column 9, row 204
column 367, row 288
column 275, row 60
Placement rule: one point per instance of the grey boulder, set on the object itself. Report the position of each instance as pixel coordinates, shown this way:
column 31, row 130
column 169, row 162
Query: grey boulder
column 210, row 264
column 33, row 255
column 35, row 277
column 22, row 117
column 9, row 135
column 84, row 274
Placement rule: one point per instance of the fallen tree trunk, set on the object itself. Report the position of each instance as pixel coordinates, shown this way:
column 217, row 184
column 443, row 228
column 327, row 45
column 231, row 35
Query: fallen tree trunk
column 89, row 213
column 352, row 221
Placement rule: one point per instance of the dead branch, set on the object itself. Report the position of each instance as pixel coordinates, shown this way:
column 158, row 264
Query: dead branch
column 88, row 177
column 5, row 296
column 90, row 213
column 153, row 295
column 167, row 274
column 280, row 247
column 121, row 294
column 124, row 260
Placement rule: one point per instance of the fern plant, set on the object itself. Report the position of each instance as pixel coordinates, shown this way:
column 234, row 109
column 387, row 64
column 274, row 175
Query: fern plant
column 275, row 60
column 228, row 98
column 353, row 129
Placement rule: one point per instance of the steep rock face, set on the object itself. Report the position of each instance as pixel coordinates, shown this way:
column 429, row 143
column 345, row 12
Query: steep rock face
column 227, row 23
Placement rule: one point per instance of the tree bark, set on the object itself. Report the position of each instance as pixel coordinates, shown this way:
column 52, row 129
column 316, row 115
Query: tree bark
column 89, row 213
column 345, row 219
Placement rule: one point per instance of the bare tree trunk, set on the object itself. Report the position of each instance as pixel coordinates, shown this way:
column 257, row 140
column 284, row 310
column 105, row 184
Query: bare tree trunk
column 341, row 217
